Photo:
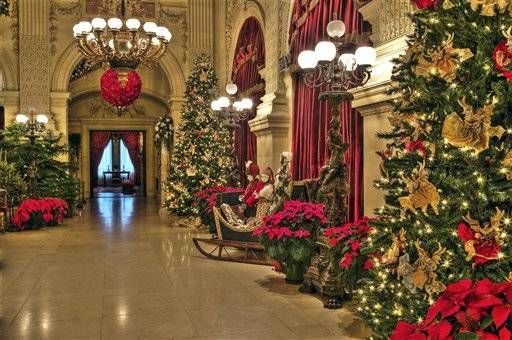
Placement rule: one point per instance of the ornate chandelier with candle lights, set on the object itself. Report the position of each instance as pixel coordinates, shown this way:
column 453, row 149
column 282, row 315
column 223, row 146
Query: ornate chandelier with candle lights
column 121, row 42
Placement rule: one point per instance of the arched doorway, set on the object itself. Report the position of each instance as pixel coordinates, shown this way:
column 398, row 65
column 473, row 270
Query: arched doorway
column 248, row 60
column 86, row 111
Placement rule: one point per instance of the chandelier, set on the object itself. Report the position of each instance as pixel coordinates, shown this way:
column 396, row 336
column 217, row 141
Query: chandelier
column 121, row 42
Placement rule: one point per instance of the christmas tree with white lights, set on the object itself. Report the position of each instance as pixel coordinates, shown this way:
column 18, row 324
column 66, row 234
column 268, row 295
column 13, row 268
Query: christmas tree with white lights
column 447, row 173
column 200, row 158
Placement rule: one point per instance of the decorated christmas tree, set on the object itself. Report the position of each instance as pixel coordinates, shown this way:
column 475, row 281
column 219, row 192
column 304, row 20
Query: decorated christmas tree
column 200, row 158
column 447, row 172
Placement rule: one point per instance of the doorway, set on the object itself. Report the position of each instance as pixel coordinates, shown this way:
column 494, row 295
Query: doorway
column 117, row 163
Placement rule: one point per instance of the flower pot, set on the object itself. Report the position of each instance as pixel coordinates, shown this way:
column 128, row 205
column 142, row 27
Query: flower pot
column 294, row 272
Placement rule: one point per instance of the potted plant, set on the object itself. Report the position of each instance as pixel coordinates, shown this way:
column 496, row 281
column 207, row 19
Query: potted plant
column 289, row 236
column 37, row 213
column 344, row 245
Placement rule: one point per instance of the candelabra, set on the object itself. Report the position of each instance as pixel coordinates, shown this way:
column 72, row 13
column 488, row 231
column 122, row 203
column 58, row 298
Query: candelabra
column 231, row 110
column 336, row 65
column 33, row 127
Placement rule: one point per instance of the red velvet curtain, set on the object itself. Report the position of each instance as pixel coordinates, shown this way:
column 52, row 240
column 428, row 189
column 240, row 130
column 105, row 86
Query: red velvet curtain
column 310, row 116
column 248, row 61
column 99, row 141
column 131, row 141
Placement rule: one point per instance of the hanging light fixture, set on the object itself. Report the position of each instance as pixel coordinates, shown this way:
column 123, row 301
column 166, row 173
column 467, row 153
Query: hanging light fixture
column 121, row 42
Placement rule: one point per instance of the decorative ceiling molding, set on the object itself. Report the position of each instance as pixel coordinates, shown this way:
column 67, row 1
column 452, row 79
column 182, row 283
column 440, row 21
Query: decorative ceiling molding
column 176, row 17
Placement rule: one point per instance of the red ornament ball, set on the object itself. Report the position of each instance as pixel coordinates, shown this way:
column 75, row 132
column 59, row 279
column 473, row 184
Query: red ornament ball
column 502, row 57
column 424, row 4
column 117, row 92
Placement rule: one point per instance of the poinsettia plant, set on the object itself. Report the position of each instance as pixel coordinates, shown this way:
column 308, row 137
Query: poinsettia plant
column 207, row 199
column 345, row 243
column 36, row 213
column 425, row 4
column 465, row 310
column 120, row 93
column 289, row 236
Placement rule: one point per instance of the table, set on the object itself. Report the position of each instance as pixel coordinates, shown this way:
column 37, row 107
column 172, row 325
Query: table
column 120, row 173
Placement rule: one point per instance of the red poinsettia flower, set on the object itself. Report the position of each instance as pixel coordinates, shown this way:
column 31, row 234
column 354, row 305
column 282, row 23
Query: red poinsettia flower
column 355, row 245
column 302, row 233
column 405, row 330
column 278, row 232
column 368, row 264
column 424, row 4
column 451, row 301
column 347, row 259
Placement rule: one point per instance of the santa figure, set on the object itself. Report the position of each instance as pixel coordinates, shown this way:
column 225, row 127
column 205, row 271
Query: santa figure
column 264, row 188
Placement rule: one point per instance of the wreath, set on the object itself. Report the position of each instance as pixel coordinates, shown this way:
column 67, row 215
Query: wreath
column 117, row 92
column 163, row 130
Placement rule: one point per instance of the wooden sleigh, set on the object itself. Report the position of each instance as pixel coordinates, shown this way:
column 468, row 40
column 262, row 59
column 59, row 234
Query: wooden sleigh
column 233, row 244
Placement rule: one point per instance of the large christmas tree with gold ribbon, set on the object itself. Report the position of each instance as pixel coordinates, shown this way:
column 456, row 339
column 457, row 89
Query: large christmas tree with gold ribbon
column 446, row 170
column 200, row 158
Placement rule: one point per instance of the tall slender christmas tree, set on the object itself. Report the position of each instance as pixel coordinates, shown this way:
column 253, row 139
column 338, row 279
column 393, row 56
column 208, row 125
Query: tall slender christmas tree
column 447, row 167
column 200, row 158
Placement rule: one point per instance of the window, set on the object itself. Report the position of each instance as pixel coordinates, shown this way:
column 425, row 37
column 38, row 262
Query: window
column 106, row 162
column 125, row 160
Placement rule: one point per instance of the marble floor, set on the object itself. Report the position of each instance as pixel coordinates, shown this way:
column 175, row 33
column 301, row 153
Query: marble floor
column 119, row 272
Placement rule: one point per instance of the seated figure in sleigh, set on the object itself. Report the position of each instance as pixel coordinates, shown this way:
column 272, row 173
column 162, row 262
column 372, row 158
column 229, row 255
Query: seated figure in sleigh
column 231, row 221
column 237, row 216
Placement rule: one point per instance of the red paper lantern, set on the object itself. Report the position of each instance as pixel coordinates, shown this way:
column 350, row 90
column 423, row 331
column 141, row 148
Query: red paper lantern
column 120, row 88
column 502, row 58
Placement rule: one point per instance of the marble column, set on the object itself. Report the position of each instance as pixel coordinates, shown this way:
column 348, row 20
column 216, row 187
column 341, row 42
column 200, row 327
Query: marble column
column 200, row 28
column 60, row 109
column 272, row 124
column 34, row 56
column 390, row 27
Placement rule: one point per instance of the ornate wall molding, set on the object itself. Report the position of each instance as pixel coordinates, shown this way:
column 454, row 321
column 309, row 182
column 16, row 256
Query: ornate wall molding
column 63, row 9
column 389, row 19
column 34, row 74
column 98, row 108
column 234, row 8
column 15, row 27
column 174, row 16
